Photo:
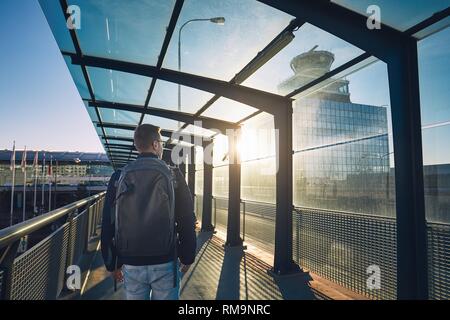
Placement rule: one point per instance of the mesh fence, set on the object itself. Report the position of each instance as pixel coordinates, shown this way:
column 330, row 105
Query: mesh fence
column 439, row 261
column 38, row 274
column 346, row 248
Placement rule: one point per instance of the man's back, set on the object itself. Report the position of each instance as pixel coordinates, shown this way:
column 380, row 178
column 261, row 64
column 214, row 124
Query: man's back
column 184, row 224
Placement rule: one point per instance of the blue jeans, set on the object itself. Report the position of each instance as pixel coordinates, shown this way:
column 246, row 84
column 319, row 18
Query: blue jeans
column 153, row 282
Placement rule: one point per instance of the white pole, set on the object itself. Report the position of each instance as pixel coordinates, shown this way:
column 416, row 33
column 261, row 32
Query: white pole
column 43, row 184
column 24, row 192
column 24, row 170
column 12, row 194
column 13, row 169
column 50, row 186
column 35, row 189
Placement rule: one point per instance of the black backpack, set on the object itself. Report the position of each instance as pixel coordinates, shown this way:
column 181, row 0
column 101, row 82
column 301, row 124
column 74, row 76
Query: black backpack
column 145, row 209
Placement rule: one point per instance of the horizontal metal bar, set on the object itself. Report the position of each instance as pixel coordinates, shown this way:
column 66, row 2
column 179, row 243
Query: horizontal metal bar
column 15, row 232
column 259, row 99
column 384, row 43
column 117, row 138
column 117, row 152
column 438, row 16
column 191, row 138
column 207, row 123
column 120, row 146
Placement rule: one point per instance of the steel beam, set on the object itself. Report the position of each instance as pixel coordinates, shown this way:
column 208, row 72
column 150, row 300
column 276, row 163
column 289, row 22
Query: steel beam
column 191, row 171
column 262, row 100
column 412, row 274
column 208, row 123
column 234, row 194
column 207, row 188
column 194, row 139
column 348, row 25
column 283, row 261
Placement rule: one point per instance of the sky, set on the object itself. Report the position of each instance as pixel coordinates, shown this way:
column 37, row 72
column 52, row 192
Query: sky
column 40, row 106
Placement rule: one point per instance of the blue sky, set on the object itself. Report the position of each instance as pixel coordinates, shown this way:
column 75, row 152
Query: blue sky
column 40, row 106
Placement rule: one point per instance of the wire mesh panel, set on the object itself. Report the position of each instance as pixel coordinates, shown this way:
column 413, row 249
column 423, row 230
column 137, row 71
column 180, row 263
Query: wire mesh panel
column 265, row 210
column 1, row 283
column 260, row 224
column 38, row 274
column 78, row 237
column 221, row 212
column 439, row 261
column 348, row 249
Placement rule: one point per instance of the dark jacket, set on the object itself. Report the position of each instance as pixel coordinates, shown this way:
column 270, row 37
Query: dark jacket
column 185, row 226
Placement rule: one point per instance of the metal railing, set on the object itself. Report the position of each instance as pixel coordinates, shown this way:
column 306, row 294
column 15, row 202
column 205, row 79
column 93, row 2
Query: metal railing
column 40, row 272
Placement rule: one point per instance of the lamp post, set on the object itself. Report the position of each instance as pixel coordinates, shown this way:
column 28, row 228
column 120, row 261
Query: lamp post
column 216, row 20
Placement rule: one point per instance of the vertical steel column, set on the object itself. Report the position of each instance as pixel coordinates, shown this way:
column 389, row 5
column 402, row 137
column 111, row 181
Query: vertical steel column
column 283, row 262
column 191, row 171
column 234, row 190
column 207, row 186
column 412, row 273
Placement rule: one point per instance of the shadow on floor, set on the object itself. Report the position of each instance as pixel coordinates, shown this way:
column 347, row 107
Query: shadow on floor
column 218, row 273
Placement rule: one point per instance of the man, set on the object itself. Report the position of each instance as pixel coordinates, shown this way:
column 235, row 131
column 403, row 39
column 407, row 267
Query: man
column 124, row 233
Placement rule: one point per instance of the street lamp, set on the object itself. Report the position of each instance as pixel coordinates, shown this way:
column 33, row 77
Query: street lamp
column 216, row 20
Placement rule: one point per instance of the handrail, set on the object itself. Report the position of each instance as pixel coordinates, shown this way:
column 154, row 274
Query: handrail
column 16, row 232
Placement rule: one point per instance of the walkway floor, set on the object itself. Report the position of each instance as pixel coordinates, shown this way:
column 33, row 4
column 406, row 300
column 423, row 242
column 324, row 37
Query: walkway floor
column 218, row 273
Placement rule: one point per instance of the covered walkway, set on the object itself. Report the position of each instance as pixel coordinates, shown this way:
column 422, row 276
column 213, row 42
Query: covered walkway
column 301, row 127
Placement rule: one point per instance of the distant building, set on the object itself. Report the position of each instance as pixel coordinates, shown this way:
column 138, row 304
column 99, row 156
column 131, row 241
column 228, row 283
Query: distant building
column 69, row 167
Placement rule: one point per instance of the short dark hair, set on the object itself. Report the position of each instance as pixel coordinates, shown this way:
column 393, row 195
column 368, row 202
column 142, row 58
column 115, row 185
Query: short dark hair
column 144, row 135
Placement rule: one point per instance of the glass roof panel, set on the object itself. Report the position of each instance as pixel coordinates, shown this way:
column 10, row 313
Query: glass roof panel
column 228, row 110
column 311, row 54
column 249, row 26
column 119, row 116
column 119, row 132
column 165, row 96
column 163, row 123
column 98, row 129
column 124, row 30
column 115, row 141
column 78, row 78
column 116, row 86
column 401, row 15
column 57, row 22
column 91, row 112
